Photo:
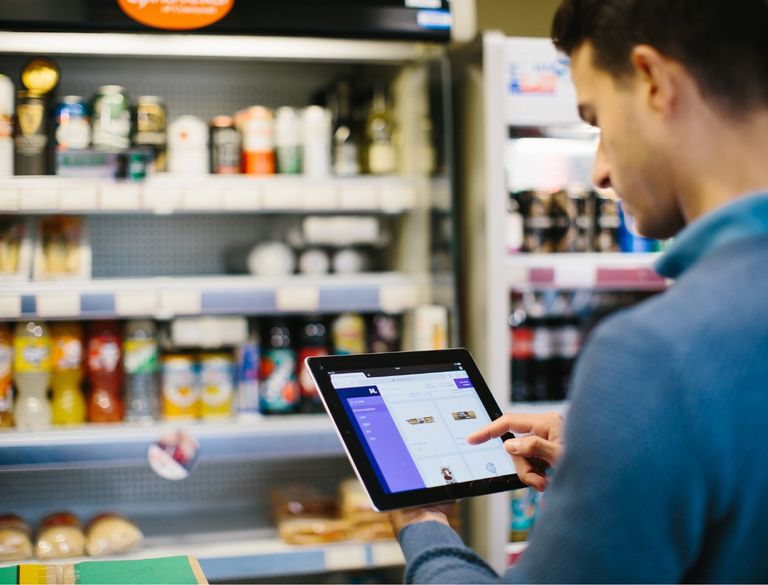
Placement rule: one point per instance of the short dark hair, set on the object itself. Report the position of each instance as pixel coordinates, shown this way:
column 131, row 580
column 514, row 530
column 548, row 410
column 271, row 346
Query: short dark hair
column 722, row 43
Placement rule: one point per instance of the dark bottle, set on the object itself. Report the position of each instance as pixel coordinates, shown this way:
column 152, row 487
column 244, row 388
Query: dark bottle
column 313, row 342
column 521, row 354
column 279, row 391
column 31, row 134
column 384, row 333
column 346, row 143
column 567, row 344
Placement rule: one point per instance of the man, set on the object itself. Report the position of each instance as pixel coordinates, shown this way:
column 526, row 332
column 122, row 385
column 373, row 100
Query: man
column 664, row 472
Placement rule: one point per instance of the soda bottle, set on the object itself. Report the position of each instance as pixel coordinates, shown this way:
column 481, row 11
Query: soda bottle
column 521, row 358
column 67, row 374
column 140, row 361
column 279, row 392
column 385, row 333
column 313, row 342
column 105, row 372
column 31, row 375
column 6, row 369
column 248, row 371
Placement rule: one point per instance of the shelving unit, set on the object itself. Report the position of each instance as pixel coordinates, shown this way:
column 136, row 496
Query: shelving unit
column 221, row 513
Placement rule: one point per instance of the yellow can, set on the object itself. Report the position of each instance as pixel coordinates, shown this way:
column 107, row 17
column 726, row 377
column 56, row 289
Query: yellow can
column 217, row 372
column 181, row 391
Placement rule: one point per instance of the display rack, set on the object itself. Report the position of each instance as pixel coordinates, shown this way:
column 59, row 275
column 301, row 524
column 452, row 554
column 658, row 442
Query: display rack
column 93, row 468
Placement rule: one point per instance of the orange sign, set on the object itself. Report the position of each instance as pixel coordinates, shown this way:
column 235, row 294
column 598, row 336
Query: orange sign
column 176, row 14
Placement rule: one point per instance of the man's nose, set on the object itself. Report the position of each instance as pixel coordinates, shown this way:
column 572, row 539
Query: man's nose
column 601, row 173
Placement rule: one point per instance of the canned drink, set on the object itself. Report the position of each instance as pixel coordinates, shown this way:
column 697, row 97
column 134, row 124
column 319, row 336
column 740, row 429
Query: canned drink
column 73, row 124
column 151, row 129
column 7, row 94
column 257, row 126
column 348, row 332
column 111, row 118
column 288, row 141
column 225, row 146
column 188, row 146
column 216, row 385
column 316, row 141
column 180, row 387
column 31, row 134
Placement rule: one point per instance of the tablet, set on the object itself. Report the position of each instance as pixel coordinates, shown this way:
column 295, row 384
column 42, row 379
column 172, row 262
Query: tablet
column 403, row 418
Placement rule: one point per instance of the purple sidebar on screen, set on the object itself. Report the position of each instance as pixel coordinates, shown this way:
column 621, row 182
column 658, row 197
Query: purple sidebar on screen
column 386, row 444
column 463, row 382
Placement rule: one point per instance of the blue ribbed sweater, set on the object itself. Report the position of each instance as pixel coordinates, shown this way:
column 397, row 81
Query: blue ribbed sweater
column 665, row 471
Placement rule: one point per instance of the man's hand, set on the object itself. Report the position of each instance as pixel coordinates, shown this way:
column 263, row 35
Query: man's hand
column 534, row 454
column 402, row 518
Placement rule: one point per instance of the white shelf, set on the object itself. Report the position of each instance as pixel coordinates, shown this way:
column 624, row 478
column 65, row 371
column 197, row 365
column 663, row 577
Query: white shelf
column 248, row 553
column 214, row 47
column 164, row 298
column 167, row 194
column 583, row 271
column 254, row 437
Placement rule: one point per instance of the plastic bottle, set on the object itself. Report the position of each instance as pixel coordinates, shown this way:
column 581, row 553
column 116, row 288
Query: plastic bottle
column 140, row 358
column 313, row 342
column 67, row 374
column 105, row 372
column 6, row 377
column 279, row 391
column 31, row 375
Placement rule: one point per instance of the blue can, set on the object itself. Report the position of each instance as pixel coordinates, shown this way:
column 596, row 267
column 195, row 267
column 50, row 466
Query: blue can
column 72, row 124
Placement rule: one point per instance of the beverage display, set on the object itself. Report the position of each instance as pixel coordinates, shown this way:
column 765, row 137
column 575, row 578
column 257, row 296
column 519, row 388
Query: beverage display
column 225, row 146
column 346, row 157
column 7, row 95
column 140, row 361
column 69, row 406
column 73, row 124
column 257, row 126
column 30, row 134
column 313, row 342
column 151, row 128
column 111, row 113
column 105, row 372
column 32, row 375
column 547, row 331
column 288, row 141
column 216, row 385
column 6, row 377
column 348, row 333
column 380, row 154
column 181, row 392
column 279, row 391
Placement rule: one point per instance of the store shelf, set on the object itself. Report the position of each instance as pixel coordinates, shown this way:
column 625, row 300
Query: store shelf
column 583, row 271
column 166, row 194
column 257, row 438
column 214, row 47
column 164, row 298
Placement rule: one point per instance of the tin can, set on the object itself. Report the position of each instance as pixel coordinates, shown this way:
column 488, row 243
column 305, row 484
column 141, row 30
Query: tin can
column 111, row 119
column 348, row 334
column 180, row 387
column 151, row 128
column 73, row 124
column 257, row 125
column 225, row 146
column 7, row 94
column 31, row 134
column 316, row 141
column 288, row 141
column 188, row 146
column 216, row 385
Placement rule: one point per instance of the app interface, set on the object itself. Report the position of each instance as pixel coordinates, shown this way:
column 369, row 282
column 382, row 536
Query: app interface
column 413, row 422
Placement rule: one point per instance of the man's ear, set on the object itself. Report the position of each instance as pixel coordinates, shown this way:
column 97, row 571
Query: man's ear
column 658, row 77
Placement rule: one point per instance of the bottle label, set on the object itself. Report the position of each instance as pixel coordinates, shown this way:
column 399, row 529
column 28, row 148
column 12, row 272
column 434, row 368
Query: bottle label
column 381, row 158
column 103, row 355
column 279, row 390
column 522, row 343
column 6, row 361
column 345, row 160
column 67, row 352
column 140, row 356
column 32, row 355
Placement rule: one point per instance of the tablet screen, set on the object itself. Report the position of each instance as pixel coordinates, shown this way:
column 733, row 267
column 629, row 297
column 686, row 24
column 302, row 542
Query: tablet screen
column 412, row 422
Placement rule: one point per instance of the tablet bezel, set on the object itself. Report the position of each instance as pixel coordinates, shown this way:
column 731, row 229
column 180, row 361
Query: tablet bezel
column 320, row 367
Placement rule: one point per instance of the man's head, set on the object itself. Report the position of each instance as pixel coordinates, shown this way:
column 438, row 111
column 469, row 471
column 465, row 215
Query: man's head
column 659, row 77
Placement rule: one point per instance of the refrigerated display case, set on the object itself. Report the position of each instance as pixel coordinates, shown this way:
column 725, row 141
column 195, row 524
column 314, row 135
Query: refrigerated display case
column 158, row 250
column 532, row 231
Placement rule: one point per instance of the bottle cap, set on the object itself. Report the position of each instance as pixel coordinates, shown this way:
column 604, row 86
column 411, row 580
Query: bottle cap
column 40, row 75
